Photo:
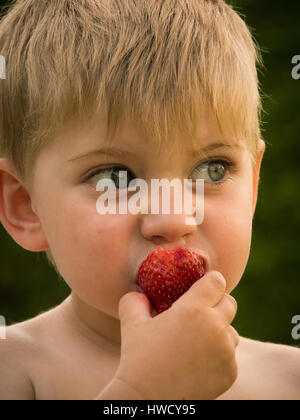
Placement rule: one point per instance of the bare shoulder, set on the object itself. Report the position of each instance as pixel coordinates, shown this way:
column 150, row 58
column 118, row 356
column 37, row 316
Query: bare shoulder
column 267, row 371
column 15, row 383
column 20, row 352
column 285, row 359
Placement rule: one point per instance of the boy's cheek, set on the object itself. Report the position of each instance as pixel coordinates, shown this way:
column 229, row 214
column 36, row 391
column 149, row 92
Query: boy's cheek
column 84, row 256
column 86, row 251
column 228, row 228
column 96, row 238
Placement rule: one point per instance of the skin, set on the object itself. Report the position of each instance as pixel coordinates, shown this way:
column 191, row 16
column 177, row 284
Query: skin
column 57, row 210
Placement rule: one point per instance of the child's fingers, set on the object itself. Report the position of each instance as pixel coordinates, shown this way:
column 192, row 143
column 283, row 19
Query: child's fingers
column 227, row 307
column 133, row 307
column 234, row 335
column 208, row 290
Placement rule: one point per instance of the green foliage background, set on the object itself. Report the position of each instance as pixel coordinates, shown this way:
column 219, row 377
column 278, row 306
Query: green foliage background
column 269, row 292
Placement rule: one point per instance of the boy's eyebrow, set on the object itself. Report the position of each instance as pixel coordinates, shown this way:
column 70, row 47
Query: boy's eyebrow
column 124, row 153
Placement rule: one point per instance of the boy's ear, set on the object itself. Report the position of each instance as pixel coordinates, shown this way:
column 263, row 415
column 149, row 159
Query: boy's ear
column 256, row 172
column 16, row 213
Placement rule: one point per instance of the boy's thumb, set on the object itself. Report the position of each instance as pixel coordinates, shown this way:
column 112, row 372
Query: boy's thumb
column 133, row 307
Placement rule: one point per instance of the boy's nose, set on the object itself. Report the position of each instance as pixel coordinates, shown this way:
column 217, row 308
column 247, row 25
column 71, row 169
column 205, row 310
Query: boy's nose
column 169, row 225
column 166, row 228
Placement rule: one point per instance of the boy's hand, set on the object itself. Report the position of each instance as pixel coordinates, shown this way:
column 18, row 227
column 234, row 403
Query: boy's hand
column 186, row 352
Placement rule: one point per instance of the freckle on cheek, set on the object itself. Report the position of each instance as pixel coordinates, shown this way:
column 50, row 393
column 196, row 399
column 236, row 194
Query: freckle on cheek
column 99, row 231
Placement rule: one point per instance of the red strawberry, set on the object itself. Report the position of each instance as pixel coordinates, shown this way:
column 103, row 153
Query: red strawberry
column 166, row 274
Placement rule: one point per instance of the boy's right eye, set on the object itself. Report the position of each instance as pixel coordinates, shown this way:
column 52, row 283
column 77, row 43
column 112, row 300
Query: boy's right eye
column 112, row 173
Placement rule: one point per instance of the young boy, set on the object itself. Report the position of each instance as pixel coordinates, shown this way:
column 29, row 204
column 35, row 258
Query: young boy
column 159, row 89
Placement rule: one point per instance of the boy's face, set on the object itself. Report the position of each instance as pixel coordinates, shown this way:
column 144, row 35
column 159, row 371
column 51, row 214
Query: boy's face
column 98, row 255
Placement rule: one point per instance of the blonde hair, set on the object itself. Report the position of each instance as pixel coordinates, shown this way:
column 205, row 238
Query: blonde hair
column 158, row 61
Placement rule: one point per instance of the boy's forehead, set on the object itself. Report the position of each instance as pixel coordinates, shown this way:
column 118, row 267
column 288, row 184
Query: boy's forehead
column 130, row 135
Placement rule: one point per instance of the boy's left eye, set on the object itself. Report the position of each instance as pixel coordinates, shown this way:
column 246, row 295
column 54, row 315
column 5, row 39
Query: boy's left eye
column 213, row 171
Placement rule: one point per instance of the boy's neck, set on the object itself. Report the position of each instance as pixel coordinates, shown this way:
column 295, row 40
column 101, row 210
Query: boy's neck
column 98, row 327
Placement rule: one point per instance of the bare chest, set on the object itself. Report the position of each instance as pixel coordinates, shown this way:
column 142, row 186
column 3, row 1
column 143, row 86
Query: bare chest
column 64, row 378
